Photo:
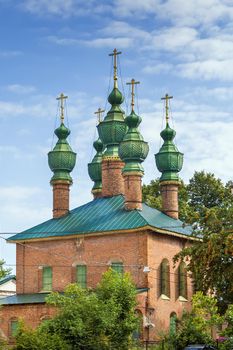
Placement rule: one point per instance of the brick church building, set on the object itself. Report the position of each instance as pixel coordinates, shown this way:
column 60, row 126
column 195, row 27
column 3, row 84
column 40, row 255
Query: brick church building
column 114, row 230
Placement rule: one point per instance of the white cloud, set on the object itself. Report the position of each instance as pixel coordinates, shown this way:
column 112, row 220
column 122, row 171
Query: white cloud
column 96, row 43
column 21, row 89
column 209, row 69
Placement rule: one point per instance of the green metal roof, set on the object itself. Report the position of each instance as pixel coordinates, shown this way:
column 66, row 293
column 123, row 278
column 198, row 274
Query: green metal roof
column 7, row 278
column 35, row 298
column 103, row 215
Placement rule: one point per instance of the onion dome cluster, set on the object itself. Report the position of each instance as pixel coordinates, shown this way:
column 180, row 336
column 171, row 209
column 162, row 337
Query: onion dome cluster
column 169, row 160
column 62, row 159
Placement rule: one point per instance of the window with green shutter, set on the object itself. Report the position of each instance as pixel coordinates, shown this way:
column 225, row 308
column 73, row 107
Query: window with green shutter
column 173, row 324
column 47, row 278
column 183, row 280
column 165, row 278
column 118, row 267
column 13, row 327
column 81, row 275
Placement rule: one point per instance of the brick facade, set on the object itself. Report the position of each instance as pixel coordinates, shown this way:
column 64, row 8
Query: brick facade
column 169, row 193
column 134, row 249
column 133, row 191
column 112, row 179
column 61, row 198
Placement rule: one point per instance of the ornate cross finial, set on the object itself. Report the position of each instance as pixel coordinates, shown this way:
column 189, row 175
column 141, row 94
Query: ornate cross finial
column 99, row 114
column 133, row 83
column 61, row 98
column 166, row 98
column 114, row 54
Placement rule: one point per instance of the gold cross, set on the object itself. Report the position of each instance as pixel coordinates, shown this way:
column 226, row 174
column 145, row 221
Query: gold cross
column 99, row 114
column 61, row 98
column 114, row 54
column 166, row 98
column 133, row 83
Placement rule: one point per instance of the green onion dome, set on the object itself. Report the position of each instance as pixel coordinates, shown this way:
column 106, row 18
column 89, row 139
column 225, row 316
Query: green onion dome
column 113, row 128
column 169, row 160
column 62, row 159
column 95, row 167
column 133, row 150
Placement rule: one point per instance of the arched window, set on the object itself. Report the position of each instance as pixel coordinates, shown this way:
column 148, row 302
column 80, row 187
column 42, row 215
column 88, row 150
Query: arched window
column 182, row 272
column 118, row 267
column 165, row 278
column 173, row 321
column 81, row 275
column 47, row 278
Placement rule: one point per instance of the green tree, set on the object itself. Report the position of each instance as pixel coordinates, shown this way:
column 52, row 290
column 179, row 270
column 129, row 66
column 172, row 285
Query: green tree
column 196, row 326
column 207, row 204
column 27, row 338
column 4, row 271
column 102, row 319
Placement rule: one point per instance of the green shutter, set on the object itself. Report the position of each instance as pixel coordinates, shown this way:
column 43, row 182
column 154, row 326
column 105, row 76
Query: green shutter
column 14, row 327
column 165, row 278
column 182, row 280
column 173, row 321
column 81, row 275
column 47, row 278
column 118, row 267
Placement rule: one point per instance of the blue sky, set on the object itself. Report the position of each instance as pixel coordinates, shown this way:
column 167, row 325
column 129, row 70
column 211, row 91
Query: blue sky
column 53, row 46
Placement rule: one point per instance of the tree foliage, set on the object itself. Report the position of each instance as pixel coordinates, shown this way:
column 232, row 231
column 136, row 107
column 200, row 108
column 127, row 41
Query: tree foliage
column 195, row 327
column 88, row 320
column 4, row 271
column 207, row 204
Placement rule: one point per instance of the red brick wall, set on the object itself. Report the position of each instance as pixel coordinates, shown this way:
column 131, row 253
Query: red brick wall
column 32, row 314
column 133, row 191
column 162, row 246
column 169, row 193
column 135, row 250
column 61, row 198
column 112, row 179
column 96, row 252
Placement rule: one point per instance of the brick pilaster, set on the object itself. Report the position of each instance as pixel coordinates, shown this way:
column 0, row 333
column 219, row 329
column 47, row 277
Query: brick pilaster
column 133, row 190
column 61, row 198
column 169, row 193
column 112, row 179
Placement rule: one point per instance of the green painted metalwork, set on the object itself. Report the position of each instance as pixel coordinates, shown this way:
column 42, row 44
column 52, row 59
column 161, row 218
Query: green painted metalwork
column 35, row 298
column 118, row 267
column 47, row 278
column 81, row 275
column 95, row 167
column 133, row 150
column 113, row 128
column 62, row 159
column 103, row 215
column 7, row 279
column 169, row 160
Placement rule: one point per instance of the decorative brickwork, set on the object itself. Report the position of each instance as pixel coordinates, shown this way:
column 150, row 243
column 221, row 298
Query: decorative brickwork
column 61, row 191
column 169, row 192
column 133, row 191
column 112, row 179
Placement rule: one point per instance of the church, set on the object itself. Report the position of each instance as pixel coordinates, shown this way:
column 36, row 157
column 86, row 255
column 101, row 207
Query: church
column 116, row 229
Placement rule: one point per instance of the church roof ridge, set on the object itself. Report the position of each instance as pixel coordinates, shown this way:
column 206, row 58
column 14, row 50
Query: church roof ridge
column 100, row 216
